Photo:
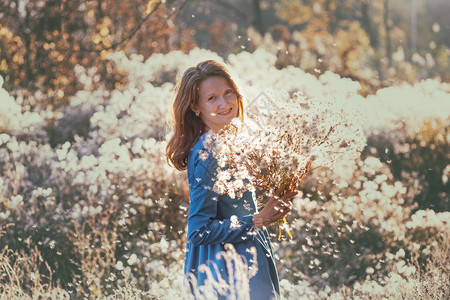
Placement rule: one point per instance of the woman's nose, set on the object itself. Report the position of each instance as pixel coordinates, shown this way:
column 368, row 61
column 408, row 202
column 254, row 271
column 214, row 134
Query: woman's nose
column 222, row 101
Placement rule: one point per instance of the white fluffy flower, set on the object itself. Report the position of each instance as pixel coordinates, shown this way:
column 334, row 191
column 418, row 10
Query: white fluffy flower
column 234, row 222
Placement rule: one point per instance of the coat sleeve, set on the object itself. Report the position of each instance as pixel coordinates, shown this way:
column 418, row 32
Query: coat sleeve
column 203, row 227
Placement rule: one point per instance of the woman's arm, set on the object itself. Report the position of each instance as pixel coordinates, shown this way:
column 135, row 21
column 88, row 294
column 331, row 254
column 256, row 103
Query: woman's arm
column 204, row 229
column 202, row 226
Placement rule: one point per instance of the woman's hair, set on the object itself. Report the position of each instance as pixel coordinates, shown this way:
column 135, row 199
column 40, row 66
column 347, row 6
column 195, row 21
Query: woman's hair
column 187, row 126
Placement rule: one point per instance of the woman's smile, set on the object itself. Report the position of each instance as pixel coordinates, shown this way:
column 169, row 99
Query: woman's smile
column 226, row 112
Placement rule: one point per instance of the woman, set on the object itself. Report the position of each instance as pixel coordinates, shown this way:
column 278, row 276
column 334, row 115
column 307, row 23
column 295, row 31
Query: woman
column 208, row 99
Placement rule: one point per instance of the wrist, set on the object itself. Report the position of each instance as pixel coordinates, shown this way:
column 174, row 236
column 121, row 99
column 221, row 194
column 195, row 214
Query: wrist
column 258, row 220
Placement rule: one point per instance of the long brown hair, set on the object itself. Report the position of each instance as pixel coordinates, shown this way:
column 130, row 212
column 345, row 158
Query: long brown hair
column 187, row 127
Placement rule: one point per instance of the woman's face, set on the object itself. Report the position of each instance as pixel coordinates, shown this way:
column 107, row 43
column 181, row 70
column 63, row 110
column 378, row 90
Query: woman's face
column 217, row 103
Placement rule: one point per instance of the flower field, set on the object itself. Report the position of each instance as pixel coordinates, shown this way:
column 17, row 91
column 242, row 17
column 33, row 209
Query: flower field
column 89, row 207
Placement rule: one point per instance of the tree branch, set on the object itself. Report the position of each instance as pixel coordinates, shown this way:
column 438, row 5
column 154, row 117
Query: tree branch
column 233, row 9
column 133, row 32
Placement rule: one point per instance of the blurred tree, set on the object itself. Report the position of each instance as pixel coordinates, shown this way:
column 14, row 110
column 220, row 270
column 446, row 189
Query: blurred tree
column 387, row 25
column 41, row 41
column 219, row 25
column 258, row 23
column 387, row 29
column 327, row 23
column 366, row 23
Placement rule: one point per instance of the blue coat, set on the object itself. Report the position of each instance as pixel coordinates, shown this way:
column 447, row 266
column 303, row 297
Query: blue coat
column 210, row 229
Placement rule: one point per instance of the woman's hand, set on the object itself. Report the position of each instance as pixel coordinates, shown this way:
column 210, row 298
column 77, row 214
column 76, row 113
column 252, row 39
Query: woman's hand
column 276, row 208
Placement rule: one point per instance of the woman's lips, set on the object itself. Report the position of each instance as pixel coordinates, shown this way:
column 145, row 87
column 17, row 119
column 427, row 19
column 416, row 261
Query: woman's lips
column 225, row 113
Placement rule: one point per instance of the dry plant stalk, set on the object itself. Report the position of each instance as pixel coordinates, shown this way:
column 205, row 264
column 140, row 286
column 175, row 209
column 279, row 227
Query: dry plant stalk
column 97, row 249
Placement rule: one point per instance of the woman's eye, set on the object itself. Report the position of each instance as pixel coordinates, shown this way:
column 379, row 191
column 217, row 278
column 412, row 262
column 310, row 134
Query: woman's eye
column 211, row 98
column 228, row 92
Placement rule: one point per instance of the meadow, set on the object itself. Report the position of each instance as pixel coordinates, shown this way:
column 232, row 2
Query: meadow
column 89, row 207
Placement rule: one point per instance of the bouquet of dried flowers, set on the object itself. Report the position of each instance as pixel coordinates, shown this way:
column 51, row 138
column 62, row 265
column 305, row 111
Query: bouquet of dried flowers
column 280, row 142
